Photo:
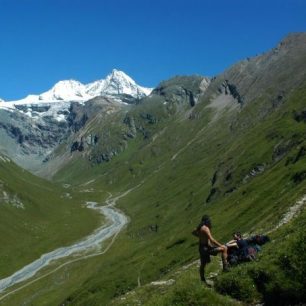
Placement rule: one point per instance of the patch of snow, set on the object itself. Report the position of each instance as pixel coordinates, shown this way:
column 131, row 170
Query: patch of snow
column 69, row 90
column 60, row 118
column 117, row 83
column 1, row 102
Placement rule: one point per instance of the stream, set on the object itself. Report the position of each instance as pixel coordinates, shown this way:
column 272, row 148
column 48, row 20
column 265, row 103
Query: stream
column 115, row 222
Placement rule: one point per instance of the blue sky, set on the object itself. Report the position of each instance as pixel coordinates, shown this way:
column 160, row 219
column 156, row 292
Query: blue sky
column 44, row 41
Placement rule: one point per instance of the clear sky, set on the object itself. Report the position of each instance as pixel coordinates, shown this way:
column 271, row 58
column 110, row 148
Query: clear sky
column 44, row 41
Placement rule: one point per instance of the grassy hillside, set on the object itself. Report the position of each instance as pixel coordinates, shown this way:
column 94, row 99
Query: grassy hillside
column 37, row 217
column 239, row 159
column 174, row 193
column 278, row 277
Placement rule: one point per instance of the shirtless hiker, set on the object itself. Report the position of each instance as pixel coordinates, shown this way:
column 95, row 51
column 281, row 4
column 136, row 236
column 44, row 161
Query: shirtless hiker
column 208, row 245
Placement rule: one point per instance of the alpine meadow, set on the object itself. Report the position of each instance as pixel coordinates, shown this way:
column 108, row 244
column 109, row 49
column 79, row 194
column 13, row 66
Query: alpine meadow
column 231, row 146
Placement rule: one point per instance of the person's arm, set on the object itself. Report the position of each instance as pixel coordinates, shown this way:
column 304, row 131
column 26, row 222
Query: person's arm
column 206, row 230
column 232, row 243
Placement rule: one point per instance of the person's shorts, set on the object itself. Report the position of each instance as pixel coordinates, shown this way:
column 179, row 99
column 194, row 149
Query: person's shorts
column 206, row 251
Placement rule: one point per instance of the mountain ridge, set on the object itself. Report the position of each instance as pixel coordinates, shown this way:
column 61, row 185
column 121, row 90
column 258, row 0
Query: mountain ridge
column 115, row 84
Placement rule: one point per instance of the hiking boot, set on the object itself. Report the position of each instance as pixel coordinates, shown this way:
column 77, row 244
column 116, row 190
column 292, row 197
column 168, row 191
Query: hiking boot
column 225, row 268
column 209, row 283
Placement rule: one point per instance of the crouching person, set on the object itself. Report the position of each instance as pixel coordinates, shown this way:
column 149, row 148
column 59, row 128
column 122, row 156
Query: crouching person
column 208, row 246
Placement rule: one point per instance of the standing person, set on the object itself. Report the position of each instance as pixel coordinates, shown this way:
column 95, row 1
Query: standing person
column 208, row 245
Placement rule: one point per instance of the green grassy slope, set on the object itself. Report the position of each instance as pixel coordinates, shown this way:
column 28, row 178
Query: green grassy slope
column 244, row 165
column 175, row 196
column 37, row 216
column 276, row 278
column 174, row 193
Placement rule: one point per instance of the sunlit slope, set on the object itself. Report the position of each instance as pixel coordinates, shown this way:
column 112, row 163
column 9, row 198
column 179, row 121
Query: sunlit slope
column 36, row 216
column 244, row 178
column 238, row 157
column 243, row 163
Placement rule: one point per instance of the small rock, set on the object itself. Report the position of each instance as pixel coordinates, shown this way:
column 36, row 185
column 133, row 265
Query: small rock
column 163, row 283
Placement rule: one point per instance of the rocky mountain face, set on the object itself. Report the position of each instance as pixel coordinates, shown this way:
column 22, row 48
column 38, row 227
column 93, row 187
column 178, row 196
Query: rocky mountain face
column 103, row 128
column 255, row 90
column 266, row 75
column 33, row 127
column 28, row 141
column 182, row 90
column 31, row 141
column 260, row 83
column 35, row 132
column 246, row 94
column 39, row 131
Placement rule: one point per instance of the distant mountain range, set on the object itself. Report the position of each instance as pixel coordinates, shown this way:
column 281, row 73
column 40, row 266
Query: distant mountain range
column 116, row 84
column 32, row 127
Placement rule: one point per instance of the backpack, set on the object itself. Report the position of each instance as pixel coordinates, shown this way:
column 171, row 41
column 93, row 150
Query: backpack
column 247, row 250
column 259, row 239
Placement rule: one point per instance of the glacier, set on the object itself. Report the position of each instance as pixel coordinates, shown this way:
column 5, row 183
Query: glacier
column 115, row 84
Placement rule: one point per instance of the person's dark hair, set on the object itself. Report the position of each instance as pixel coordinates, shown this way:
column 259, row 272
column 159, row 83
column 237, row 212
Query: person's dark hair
column 238, row 234
column 205, row 221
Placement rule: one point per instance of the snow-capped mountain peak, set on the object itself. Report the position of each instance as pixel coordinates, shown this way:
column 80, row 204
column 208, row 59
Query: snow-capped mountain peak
column 120, row 77
column 115, row 84
column 68, row 90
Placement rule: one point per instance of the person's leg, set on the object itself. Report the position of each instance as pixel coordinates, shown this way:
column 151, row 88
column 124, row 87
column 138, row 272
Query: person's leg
column 208, row 283
column 223, row 251
column 224, row 258
column 201, row 270
column 204, row 258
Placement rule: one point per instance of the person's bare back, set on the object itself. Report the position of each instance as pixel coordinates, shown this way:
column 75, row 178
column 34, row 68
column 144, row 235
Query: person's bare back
column 203, row 237
column 208, row 245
